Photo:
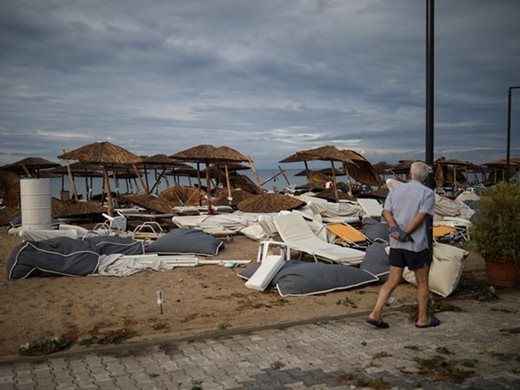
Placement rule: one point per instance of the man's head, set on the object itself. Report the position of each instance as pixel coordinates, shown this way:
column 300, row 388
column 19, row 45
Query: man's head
column 419, row 171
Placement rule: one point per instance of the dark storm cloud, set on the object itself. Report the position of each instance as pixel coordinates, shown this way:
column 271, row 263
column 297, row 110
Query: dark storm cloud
column 267, row 78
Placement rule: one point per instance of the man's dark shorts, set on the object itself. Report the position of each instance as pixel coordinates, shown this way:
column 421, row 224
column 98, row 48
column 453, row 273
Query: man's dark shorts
column 413, row 260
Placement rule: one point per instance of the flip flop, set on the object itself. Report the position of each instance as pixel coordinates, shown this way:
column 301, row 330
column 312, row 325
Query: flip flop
column 380, row 324
column 432, row 322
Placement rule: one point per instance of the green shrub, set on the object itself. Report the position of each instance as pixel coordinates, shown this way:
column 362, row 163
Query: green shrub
column 496, row 233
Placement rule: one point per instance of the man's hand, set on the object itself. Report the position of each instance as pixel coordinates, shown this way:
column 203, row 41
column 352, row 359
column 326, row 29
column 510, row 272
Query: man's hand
column 399, row 234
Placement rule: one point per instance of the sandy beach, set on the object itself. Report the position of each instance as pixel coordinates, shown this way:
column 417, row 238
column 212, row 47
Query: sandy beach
column 196, row 299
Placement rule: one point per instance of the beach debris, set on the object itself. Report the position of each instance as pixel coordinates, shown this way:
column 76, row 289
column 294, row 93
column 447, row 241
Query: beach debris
column 44, row 346
column 442, row 369
column 374, row 383
column 511, row 330
column 347, row 302
column 160, row 301
column 224, row 326
column 110, row 337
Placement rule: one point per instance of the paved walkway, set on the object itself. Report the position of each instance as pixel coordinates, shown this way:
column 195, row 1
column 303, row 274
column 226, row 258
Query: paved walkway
column 477, row 347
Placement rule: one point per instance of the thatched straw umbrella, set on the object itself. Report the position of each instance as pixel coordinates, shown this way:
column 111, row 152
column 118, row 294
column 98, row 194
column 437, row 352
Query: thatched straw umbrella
column 181, row 195
column 382, row 167
column 209, row 154
column 499, row 167
column 270, row 203
column 362, row 171
column 63, row 209
column 29, row 166
column 237, row 195
column 322, row 153
column 149, row 202
column 105, row 154
column 10, row 189
column 446, row 170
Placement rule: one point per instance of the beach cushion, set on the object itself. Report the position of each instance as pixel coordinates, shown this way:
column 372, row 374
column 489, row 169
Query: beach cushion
column 445, row 270
column 57, row 256
column 374, row 229
column 184, row 240
column 376, row 260
column 108, row 245
column 298, row 278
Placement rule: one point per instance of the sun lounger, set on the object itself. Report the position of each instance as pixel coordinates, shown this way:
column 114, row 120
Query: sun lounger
column 270, row 264
column 371, row 207
column 348, row 235
column 295, row 232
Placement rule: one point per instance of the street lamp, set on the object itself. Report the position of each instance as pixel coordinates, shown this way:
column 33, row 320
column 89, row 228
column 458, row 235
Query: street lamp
column 508, row 152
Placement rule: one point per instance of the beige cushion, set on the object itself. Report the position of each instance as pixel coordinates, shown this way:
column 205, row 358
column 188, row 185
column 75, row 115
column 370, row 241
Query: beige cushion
column 445, row 270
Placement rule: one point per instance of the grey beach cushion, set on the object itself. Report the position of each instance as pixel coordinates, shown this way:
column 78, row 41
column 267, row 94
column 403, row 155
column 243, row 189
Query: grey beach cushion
column 107, row 245
column 376, row 260
column 186, row 241
column 374, row 229
column 301, row 278
column 57, row 256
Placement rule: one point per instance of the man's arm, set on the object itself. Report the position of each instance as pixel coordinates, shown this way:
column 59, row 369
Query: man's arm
column 390, row 221
column 416, row 222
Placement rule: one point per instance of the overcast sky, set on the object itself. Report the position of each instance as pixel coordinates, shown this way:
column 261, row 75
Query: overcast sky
column 266, row 77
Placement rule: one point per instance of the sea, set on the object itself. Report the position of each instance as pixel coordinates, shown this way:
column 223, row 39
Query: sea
column 271, row 179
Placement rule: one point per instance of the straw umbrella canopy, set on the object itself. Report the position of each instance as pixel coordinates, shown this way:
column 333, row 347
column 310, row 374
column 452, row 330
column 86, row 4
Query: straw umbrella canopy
column 322, row 153
column 149, row 202
column 382, row 167
column 237, row 195
column 30, row 166
column 362, row 171
column 182, row 195
column 269, row 203
column 446, row 170
column 209, row 154
column 105, row 154
column 63, row 209
column 499, row 166
column 10, row 188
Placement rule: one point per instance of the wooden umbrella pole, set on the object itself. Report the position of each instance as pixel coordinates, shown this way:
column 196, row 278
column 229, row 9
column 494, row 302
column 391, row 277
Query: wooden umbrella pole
column 146, row 179
column 228, row 184
column 282, row 172
column 72, row 182
column 334, row 181
column 253, row 168
column 116, row 180
column 348, row 175
column 307, row 171
column 198, row 181
column 145, row 188
column 208, row 182
column 26, row 171
column 108, row 191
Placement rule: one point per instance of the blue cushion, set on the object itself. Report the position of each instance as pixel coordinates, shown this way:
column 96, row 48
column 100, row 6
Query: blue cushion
column 376, row 260
column 302, row 278
column 186, row 241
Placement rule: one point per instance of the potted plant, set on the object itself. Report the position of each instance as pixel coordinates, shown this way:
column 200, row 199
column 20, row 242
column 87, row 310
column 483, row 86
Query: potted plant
column 495, row 234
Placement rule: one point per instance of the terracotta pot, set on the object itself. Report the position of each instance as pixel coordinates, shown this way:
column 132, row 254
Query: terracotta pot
column 500, row 273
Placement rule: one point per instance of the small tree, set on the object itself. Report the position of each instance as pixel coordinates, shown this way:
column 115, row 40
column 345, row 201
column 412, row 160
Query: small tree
column 496, row 233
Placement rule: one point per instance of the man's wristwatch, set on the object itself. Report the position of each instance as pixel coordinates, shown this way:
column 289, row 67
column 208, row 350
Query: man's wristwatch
column 394, row 229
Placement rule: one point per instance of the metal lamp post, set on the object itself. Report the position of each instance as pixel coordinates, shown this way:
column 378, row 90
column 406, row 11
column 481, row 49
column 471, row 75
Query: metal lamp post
column 508, row 149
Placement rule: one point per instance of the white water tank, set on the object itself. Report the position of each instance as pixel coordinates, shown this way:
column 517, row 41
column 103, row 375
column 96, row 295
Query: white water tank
column 35, row 197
